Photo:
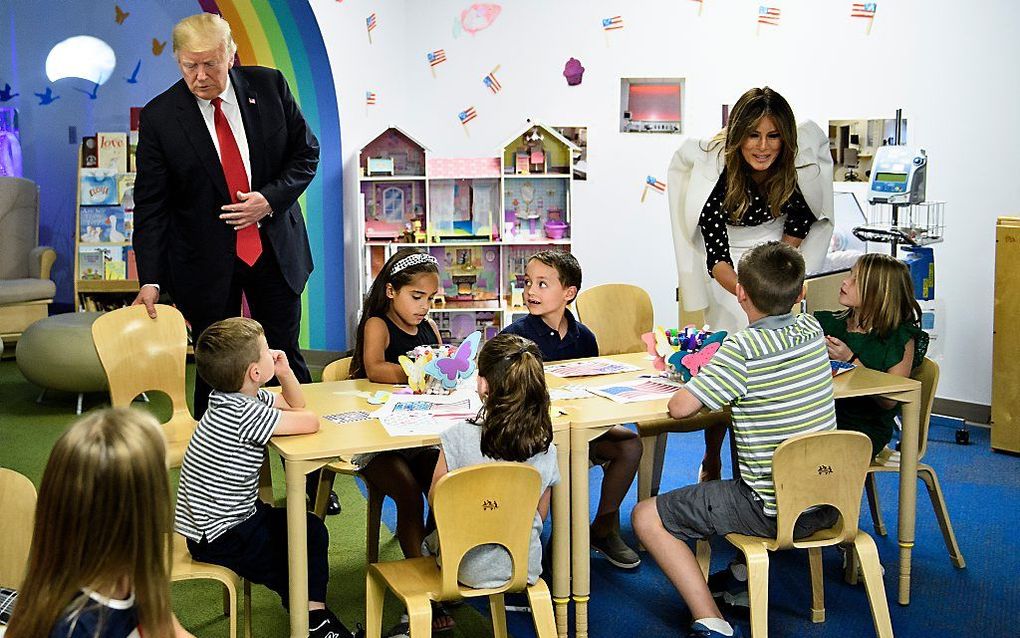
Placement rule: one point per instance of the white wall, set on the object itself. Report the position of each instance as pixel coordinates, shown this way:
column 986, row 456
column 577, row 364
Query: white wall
column 949, row 66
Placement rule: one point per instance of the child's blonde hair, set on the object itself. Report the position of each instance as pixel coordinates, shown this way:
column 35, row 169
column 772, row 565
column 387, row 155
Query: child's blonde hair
column 224, row 351
column 886, row 294
column 103, row 515
column 515, row 417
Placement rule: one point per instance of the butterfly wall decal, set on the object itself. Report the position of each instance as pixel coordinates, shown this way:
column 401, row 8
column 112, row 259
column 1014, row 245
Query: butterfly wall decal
column 449, row 370
column 121, row 14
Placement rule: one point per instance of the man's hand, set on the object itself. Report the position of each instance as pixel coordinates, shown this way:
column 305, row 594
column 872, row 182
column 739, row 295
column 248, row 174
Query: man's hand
column 147, row 295
column 250, row 208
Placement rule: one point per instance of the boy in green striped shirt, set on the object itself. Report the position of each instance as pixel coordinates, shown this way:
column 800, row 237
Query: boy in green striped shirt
column 776, row 376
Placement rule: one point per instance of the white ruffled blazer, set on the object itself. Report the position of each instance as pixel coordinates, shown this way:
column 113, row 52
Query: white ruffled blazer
column 693, row 174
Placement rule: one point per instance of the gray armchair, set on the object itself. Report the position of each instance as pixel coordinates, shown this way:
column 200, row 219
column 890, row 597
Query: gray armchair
column 26, row 290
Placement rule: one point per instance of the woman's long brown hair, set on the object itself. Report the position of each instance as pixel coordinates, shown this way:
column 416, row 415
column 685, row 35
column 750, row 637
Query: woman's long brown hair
column 515, row 417
column 886, row 294
column 102, row 518
column 781, row 180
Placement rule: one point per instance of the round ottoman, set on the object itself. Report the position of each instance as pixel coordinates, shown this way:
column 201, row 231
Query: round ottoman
column 57, row 353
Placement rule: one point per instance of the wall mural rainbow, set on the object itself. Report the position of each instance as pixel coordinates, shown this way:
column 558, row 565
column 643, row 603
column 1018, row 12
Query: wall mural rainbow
column 285, row 35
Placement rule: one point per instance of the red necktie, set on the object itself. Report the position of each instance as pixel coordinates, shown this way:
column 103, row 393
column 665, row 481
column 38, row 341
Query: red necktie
column 249, row 244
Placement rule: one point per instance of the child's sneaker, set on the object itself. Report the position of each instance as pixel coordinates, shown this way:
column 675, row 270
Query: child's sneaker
column 699, row 630
column 614, row 550
column 322, row 623
column 729, row 588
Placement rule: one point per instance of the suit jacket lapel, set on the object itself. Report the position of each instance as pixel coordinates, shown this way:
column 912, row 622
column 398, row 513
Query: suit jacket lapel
column 248, row 103
column 193, row 125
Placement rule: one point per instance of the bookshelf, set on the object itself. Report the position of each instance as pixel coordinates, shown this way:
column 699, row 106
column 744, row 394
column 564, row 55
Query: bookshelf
column 481, row 218
column 104, row 273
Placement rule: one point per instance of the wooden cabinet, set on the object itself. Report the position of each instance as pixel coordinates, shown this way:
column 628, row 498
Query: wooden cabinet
column 1005, row 337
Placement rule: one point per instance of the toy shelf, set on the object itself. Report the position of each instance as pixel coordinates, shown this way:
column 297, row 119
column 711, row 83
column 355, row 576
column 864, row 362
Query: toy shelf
column 394, row 178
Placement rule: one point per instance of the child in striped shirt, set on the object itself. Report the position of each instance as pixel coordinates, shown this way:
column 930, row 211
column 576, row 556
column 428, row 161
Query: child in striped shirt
column 776, row 376
column 218, row 510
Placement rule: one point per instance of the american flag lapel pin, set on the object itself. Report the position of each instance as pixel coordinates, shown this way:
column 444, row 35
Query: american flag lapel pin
column 251, row 100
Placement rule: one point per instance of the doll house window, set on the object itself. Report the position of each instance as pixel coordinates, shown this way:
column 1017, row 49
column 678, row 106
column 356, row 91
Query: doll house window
column 393, row 204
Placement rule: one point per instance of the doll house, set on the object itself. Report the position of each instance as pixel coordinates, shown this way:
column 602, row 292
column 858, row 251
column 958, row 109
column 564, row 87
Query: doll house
column 391, row 171
column 537, row 168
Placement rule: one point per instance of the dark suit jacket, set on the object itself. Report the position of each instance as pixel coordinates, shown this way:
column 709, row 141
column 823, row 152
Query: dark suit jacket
column 179, row 240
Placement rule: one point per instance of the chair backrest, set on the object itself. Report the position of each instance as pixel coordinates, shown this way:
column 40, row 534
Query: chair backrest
column 824, row 468
column 19, row 226
column 850, row 157
column 928, row 374
column 483, row 504
column 338, row 370
column 140, row 354
column 17, row 518
column 618, row 314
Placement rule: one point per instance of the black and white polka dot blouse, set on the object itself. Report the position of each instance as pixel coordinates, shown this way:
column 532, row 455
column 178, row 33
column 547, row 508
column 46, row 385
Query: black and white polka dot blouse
column 713, row 220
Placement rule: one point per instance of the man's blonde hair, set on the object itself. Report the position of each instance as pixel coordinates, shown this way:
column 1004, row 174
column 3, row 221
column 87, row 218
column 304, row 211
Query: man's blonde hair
column 203, row 32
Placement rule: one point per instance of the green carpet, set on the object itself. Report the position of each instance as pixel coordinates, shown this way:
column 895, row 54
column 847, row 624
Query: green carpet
column 28, row 431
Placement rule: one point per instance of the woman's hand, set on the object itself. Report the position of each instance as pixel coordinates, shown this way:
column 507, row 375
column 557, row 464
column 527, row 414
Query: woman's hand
column 838, row 350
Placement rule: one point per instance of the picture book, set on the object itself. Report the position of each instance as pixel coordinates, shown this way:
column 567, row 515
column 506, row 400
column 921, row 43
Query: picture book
column 112, row 150
column 126, row 190
column 116, row 269
column 98, row 186
column 102, row 224
column 132, row 265
column 89, row 159
column 91, row 264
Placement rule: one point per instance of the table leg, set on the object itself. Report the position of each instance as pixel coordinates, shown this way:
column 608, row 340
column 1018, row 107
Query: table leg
column 580, row 540
column 297, row 545
column 561, row 533
column 910, row 419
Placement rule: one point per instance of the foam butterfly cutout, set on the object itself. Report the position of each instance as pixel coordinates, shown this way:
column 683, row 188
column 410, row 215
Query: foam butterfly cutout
column 461, row 365
column 650, row 343
column 415, row 370
column 689, row 363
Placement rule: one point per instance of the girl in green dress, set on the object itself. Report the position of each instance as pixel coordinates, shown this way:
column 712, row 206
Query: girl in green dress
column 880, row 329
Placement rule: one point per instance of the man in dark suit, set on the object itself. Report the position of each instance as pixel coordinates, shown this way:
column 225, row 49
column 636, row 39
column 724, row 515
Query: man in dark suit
column 222, row 157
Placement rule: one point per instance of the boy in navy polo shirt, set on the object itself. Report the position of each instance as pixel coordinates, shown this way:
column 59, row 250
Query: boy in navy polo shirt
column 551, row 281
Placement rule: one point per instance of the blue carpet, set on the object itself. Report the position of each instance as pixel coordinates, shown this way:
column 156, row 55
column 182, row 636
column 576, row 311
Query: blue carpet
column 982, row 489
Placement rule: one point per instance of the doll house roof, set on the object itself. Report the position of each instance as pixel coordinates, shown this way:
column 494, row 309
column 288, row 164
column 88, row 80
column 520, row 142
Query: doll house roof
column 574, row 148
column 400, row 132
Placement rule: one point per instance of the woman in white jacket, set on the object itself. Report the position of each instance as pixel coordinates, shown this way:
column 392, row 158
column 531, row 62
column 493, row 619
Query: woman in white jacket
column 761, row 178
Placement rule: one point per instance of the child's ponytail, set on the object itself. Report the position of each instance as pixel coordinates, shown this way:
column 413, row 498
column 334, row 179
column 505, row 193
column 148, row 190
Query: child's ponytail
column 516, row 420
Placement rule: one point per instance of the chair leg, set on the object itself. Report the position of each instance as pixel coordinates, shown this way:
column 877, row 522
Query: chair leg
column 419, row 612
column 864, row 548
column 542, row 610
column 938, row 503
column 817, row 585
column 758, row 589
column 876, row 508
column 660, row 457
column 230, row 604
column 326, row 478
column 81, row 397
column 375, row 595
column 226, row 600
column 247, row 609
column 373, row 522
column 646, row 468
column 39, row 399
column 703, row 554
column 497, row 608
column 852, row 565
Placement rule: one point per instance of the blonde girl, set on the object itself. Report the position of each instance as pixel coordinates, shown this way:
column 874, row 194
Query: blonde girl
column 880, row 329
column 100, row 559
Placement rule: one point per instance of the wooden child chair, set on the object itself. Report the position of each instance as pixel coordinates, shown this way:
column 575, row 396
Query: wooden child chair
column 619, row 314
column 824, row 468
column 339, row 370
column 141, row 354
column 477, row 505
column 928, row 374
column 17, row 502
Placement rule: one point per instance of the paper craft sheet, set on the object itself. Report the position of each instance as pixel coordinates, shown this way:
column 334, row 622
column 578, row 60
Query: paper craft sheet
column 839, row 367
column 589, row 368
column 569, row 392
column 348, row 417
column 637, row 390
column 426, row 414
